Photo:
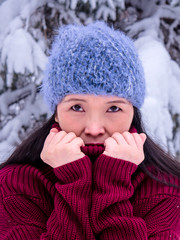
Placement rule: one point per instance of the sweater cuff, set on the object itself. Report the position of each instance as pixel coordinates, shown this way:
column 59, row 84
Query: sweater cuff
column 73, row 171
column 114, row 169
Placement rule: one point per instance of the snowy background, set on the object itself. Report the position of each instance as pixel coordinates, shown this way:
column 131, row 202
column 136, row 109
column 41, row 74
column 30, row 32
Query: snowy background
column 27, row 28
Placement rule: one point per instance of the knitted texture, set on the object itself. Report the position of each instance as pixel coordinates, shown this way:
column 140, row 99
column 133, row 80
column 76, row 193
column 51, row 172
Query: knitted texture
column 93, row 59
column 81, row 200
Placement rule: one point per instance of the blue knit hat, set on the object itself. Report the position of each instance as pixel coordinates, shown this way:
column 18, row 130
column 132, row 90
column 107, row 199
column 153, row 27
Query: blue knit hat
column 93, row 59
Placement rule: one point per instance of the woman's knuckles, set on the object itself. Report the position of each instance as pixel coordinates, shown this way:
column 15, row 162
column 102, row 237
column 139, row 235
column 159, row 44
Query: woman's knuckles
column 62, row 152
column 128, row 153
column 116, row 135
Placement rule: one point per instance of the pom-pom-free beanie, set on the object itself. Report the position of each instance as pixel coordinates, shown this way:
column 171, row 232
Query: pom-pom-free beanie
column 93, row 59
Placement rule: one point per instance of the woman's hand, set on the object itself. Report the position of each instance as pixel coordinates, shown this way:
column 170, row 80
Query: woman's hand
column 126, row 146
column 61, row 148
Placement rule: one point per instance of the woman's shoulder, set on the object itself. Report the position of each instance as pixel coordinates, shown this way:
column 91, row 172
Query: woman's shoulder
column 15, row 170
column 9, row 171
column 146, row 186
column 24, row 179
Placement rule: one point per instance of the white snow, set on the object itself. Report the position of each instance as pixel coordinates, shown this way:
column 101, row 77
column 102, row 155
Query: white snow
column 16, row 53
column 163, row 87
column 9, row 136
column 21, row 54
column 1, row 84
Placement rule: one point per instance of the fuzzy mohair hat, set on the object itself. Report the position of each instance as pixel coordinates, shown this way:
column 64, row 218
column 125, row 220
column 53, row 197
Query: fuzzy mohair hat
column 93, row 59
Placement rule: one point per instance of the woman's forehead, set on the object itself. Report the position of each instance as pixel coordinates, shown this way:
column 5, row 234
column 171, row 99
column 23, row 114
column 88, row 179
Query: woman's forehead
column 93, row 97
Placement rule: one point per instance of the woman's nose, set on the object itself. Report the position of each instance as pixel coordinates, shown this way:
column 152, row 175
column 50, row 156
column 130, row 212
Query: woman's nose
column 94, row 128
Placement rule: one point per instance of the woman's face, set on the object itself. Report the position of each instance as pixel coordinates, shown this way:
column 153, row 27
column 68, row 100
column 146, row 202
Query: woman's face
column 94, row 118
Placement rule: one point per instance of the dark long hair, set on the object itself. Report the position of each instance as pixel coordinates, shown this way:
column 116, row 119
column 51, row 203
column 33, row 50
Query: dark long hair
column 28, row 152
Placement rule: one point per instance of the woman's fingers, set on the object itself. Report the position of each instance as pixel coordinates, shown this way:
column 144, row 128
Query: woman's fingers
column 118, row 137
column 68, row 137
column 109, row 141
column 54, row 130
column 50, row 136
column 129, row 139
column 143, row 137
column 57, row 137
column 132, row 139
column 78, row 141
column 139, row 139
column 127, row 146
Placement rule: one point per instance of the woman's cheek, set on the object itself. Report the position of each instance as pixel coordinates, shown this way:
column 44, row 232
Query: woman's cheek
column 71, row 125
column 121, row 126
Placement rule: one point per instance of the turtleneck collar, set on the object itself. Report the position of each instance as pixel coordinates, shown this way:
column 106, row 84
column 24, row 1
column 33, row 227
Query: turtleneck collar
column 92, row 150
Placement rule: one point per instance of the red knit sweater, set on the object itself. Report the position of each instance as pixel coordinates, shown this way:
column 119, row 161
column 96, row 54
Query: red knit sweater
column 86, row 200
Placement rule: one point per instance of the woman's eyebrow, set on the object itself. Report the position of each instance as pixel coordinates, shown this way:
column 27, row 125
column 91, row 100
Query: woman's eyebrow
column 74, row 99
column 117, row 101
column 82, row 100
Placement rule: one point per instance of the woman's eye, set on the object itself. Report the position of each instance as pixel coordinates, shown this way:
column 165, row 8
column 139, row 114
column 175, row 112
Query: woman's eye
column 114, row 109
column 77, row 108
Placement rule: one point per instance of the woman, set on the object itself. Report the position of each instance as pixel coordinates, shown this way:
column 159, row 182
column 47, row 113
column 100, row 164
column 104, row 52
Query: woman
column 91, row 172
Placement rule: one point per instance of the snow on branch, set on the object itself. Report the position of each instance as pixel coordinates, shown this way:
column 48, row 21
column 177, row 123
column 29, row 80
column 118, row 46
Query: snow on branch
column 156, row 37
column 13, row 129
column 10, row 97
column 152, row 23
column 21, row 54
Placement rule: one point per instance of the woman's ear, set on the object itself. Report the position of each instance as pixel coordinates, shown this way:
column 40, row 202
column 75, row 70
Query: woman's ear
column 56, row 118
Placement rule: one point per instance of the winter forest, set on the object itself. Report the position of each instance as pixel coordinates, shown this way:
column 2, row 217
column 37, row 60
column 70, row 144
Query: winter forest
column 27, row 28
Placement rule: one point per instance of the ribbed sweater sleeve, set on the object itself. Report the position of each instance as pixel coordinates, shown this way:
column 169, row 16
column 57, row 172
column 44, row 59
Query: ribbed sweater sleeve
column 23, row 213
column 112, row 215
